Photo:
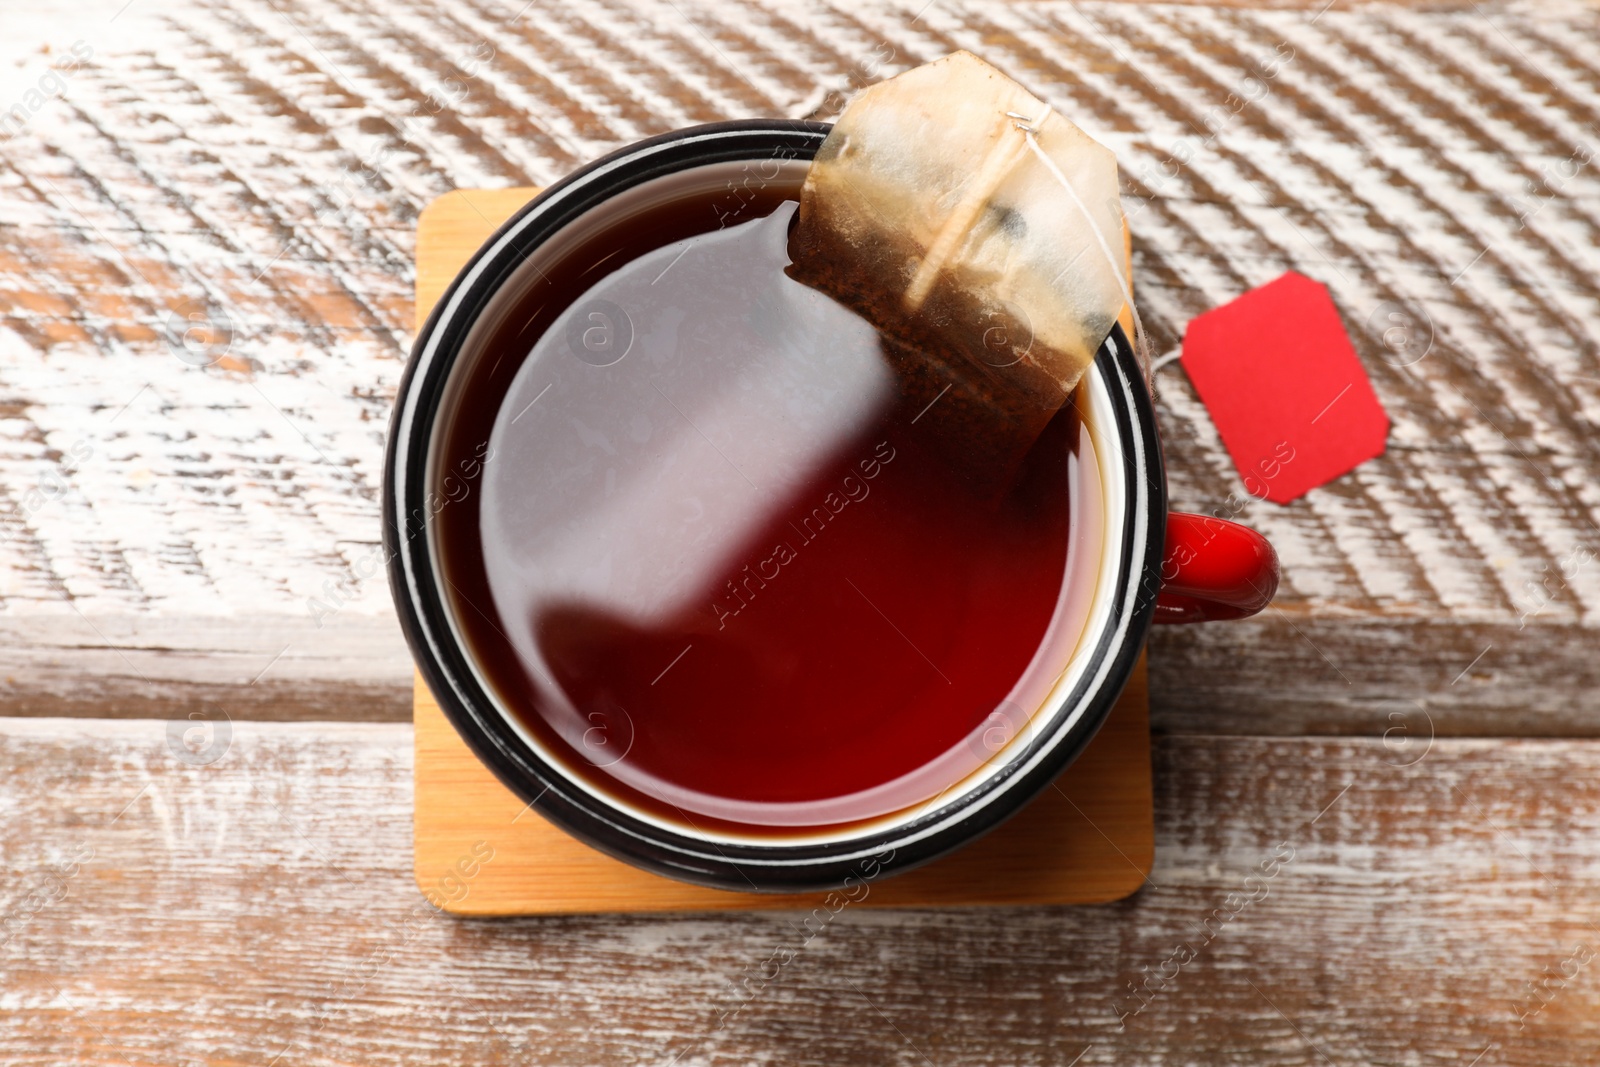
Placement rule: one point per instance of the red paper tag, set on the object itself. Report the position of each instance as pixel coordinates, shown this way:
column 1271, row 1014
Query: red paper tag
column 1285, row 388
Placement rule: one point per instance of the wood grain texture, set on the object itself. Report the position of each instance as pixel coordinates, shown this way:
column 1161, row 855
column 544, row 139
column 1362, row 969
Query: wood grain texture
column 158, row 665
column 1085, row 840
column 264, row 906
column 243, row 180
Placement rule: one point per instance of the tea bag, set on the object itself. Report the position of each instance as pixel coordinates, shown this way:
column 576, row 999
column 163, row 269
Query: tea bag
column 983, row 235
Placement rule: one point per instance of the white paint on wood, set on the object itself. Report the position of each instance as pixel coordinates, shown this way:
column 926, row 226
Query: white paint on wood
column 267, row 162
column 266, row 902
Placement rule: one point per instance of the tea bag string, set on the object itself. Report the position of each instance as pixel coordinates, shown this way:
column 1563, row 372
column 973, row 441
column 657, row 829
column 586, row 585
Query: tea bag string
column 1025, row 125
column 996, row 166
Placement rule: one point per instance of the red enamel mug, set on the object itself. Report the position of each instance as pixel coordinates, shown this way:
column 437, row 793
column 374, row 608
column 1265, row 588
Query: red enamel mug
column 1152, row 567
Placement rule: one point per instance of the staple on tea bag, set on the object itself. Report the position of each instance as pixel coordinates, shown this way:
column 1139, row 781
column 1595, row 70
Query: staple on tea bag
column 983, row 235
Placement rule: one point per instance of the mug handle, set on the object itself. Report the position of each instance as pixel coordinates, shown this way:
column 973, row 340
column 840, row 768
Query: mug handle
column 1214, row 569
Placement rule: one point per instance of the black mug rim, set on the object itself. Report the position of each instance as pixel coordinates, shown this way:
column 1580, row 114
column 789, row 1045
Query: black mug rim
column 780, row 866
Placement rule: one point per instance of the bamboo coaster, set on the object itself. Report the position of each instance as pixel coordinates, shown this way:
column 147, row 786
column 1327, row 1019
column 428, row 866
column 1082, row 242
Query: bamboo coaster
column 480, row 851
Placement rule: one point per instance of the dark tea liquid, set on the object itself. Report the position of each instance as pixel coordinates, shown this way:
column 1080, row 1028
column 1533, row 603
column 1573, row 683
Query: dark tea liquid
column 709, row 558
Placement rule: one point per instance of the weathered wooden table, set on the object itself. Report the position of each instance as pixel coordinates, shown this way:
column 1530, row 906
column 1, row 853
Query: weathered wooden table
column 206, row 231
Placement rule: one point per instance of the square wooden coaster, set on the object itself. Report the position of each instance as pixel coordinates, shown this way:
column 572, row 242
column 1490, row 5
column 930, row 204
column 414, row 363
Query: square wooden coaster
column 480, row 851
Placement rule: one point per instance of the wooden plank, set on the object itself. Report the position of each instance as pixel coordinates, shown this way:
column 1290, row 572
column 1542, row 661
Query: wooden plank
column 165, row 665
column 1085, row 840
column 264, row 906
column 1346, row 676
column 261, row 165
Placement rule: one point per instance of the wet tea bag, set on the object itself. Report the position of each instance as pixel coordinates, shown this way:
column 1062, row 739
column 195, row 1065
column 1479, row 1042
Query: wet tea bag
column 983, row 235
